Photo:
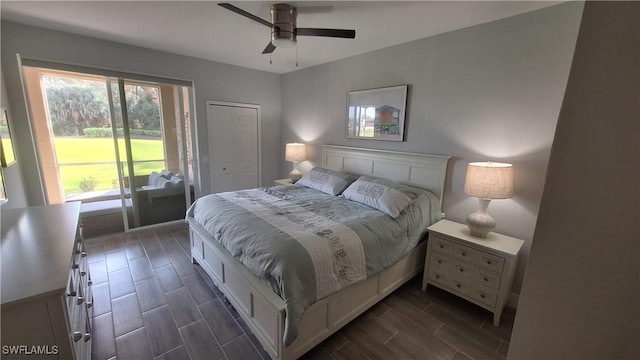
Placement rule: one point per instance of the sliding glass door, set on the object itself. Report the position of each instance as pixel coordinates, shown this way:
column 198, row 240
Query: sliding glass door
column 105, row 138
column 150, row 151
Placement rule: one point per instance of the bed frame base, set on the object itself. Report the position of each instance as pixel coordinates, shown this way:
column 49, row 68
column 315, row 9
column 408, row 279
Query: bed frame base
column 264, row 312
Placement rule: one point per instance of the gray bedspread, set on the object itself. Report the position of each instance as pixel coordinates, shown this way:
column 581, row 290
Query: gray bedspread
column 307, row 244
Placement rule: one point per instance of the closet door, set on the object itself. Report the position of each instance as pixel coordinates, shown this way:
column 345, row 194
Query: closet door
column 233, row 147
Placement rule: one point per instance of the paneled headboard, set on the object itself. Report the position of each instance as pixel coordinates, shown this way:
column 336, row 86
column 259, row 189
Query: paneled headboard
column 419, row 170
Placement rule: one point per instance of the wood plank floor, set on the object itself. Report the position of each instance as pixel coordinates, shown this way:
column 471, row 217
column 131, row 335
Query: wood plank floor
column 151, row 302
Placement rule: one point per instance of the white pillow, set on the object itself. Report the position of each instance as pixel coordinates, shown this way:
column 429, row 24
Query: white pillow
column 327, row 181
column 389, row 197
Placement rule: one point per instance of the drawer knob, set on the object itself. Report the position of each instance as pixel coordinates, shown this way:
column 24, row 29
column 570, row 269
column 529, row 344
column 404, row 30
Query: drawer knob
column 482, row 296
column 461, row 270
column 437, row 276
column 488, row 262
column 464, row 254
column 89, row 304
column 485, row 279
column 77, row 336
column 87, row 337
column 80, row 300
column 458, row 285
column 75, row 266
column 439, row 261
column 72, row 293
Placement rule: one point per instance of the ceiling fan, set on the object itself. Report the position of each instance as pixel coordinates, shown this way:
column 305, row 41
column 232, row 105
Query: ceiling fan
column 283, row 26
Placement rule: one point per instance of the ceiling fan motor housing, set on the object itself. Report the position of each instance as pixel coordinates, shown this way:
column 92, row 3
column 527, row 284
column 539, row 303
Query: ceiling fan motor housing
column 283, row 31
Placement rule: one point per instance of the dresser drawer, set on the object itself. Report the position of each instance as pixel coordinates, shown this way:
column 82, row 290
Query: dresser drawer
column 442, row 245
column 489, row 261
column 72, row 289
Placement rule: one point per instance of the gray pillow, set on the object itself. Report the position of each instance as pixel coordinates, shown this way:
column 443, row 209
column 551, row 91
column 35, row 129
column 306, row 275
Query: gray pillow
column 163, row 182
column 327, row 181
column 383, row 195
column 176, row 181
column 166, row 173
column 153, row 179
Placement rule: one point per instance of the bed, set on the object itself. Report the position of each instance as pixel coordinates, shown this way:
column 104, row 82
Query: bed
column 290, row 320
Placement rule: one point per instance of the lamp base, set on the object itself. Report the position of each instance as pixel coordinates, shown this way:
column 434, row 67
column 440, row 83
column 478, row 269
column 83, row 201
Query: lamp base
column 480, row 223
column 295, row 175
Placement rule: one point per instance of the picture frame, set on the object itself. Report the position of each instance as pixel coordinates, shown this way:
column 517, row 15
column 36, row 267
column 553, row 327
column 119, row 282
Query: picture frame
column 377, row 114
column 7, row 154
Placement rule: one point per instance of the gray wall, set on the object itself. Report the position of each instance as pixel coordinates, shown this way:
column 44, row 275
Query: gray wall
column 581, row 292
column 212, row 81
column 488, row 92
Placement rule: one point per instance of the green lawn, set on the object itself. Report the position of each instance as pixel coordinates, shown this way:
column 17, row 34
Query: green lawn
column 7, row 145
column 87, row 150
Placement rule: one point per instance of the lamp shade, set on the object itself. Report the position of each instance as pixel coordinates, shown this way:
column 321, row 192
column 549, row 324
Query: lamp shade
column 489, row 180
column 295, row 152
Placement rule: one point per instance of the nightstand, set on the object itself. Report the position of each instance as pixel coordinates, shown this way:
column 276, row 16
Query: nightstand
column 283, row 182
column 479, row 270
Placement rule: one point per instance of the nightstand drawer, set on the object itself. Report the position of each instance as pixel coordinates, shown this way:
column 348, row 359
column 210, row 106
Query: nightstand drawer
column 464, row 253
column 442, row 245
column 491, row 262
column 461, row 285
column 488, row 279
column 484, row 295
column 463, row 269
column 439, row 276
column 440, row 261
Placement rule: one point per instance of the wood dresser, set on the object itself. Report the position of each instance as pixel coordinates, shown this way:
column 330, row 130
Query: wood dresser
column 46, row 287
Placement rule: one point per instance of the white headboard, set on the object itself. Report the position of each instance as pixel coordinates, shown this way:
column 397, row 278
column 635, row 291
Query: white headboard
column 419, row 170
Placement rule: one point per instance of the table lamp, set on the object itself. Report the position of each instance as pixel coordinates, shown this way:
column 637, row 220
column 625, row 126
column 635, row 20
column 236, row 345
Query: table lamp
column 487, row 181
column 295, row 152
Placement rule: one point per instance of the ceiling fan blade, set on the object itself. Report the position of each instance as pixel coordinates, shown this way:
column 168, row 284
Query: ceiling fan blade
column 239, row 11
column 269, row 49
column 304, row 9
column 338, row 33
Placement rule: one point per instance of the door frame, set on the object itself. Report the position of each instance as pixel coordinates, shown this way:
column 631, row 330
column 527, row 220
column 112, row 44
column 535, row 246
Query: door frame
column 258, row 109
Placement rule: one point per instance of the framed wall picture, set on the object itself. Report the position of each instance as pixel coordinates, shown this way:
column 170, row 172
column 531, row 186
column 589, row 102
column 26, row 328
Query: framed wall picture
column 7, row 155
column 377, row 114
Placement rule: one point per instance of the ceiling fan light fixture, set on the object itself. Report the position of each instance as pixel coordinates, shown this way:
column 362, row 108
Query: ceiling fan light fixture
column 283, row 30
column 283, row 43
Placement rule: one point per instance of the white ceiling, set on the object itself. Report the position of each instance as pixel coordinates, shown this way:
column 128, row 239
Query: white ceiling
column 202, row 29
